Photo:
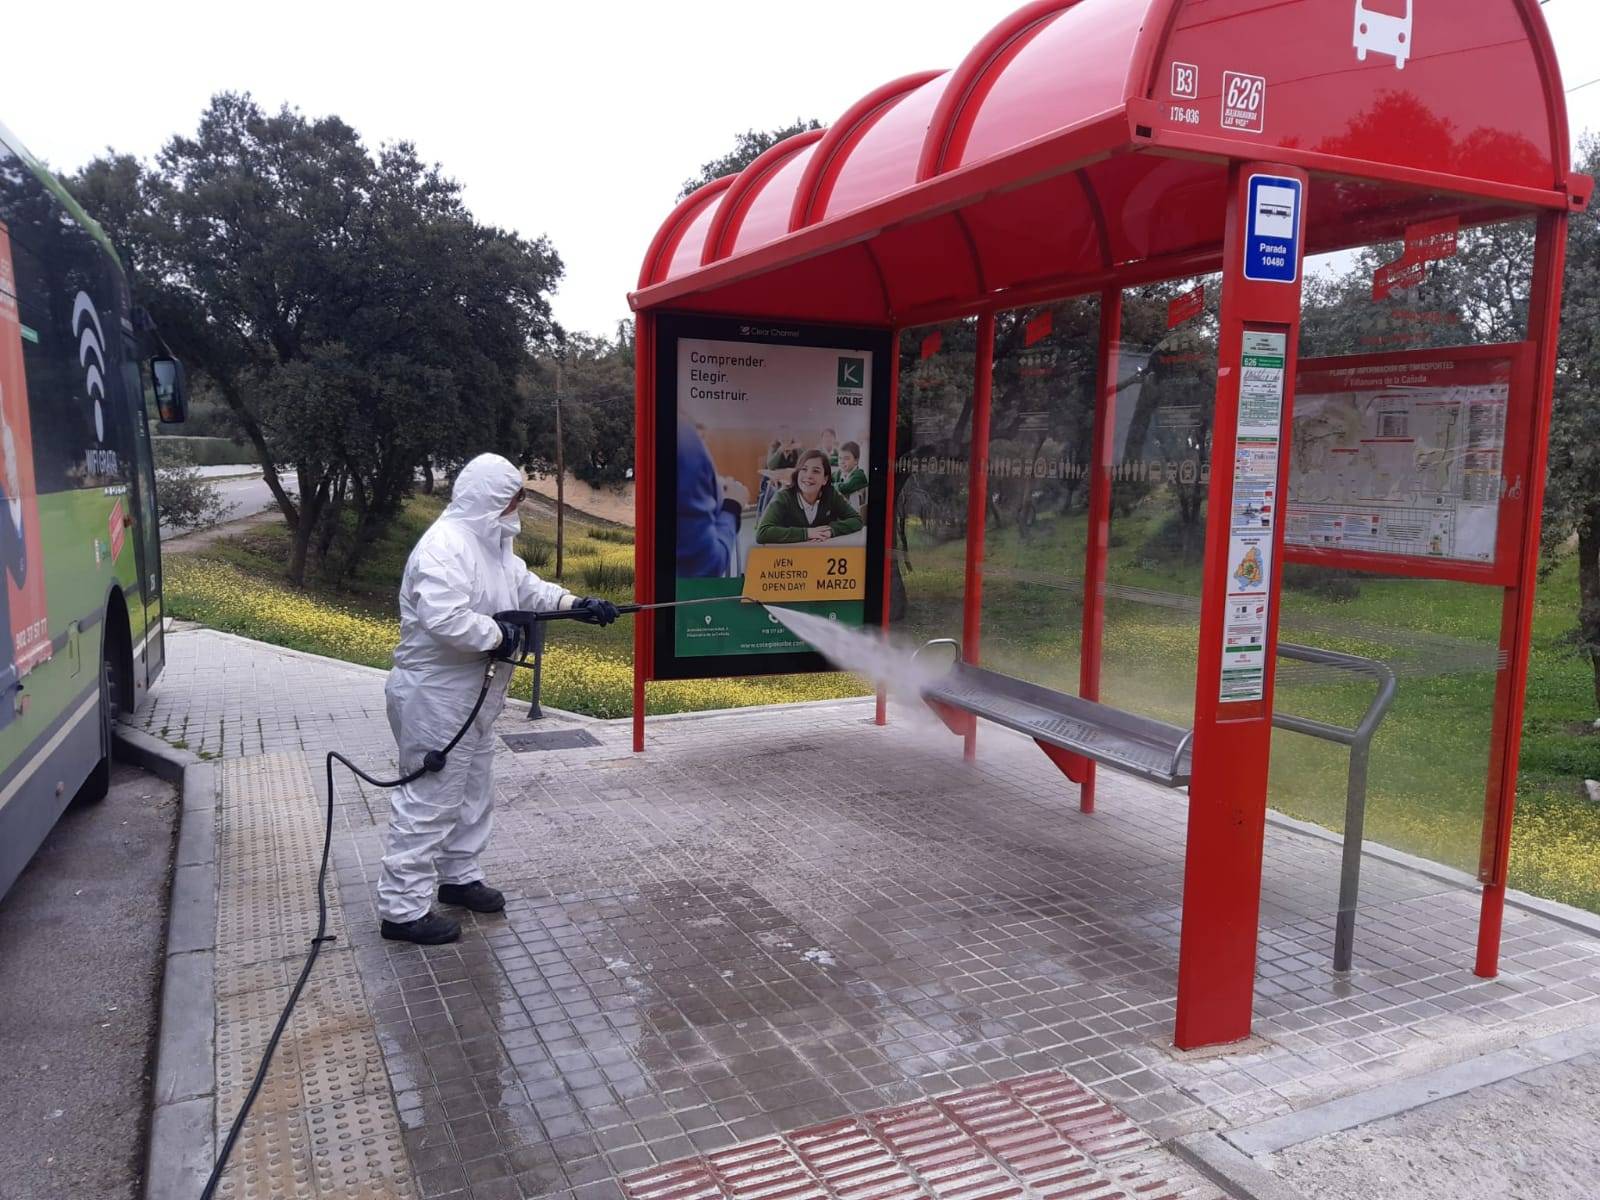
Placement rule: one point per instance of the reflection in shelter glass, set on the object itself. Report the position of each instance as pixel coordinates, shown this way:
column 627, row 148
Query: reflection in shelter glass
column 1161, row 472
column 1040, row 440
column 933, row 444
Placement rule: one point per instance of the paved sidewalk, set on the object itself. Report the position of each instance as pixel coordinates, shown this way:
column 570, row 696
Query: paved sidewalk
column 783, row 940
column 223, row 696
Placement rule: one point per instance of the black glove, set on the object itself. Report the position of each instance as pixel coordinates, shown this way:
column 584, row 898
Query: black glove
column 510, row 641
column 592, row 610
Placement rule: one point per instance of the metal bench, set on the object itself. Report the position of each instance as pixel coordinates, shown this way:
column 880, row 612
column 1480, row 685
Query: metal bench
column 1074, row 731
column 1142, row 746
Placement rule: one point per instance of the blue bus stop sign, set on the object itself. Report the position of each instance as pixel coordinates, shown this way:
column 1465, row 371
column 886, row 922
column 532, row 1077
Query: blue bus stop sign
column 1272, row 241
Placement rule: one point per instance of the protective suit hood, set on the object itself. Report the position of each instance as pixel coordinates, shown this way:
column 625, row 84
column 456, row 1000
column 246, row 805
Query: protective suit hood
column 483, row 489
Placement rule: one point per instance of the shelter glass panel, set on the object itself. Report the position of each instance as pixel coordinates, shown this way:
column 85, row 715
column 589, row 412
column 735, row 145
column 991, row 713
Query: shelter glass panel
column 1429, row 765
column 933, row 446
column 1036, row 533
column 1439, row 287
column 1165, row 403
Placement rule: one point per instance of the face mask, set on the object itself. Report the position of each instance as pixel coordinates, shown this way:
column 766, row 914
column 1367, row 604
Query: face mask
column 511, row 523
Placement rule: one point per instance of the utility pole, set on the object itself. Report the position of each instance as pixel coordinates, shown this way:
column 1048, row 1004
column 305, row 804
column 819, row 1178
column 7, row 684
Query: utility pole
column 561, row 474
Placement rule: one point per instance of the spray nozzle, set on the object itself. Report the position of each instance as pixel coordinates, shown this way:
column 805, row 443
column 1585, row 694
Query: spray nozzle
column 434, row 760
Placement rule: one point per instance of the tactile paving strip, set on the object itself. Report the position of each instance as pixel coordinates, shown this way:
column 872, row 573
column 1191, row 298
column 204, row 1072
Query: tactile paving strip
column 1041, row 1137
column 272, row 1160
column 333, row 1001
column 324, row 1125
column 356, row 1147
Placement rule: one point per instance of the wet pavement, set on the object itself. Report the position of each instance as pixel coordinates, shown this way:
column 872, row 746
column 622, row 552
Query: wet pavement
column 765, row 924
column 788, row 929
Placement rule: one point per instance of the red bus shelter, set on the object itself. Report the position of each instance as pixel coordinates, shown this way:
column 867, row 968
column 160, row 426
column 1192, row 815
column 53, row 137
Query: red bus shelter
column 1086, row 146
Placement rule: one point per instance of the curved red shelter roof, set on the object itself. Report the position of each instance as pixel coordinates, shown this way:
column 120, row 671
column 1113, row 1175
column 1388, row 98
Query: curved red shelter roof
column 1083, row 141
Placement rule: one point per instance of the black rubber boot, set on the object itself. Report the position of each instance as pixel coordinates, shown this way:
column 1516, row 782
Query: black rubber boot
column 434, row 929
column 477, row 895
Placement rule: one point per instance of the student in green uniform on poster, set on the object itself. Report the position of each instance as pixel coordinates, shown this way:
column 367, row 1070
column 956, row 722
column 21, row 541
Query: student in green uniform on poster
column 783, row 453
column 852, row 478
column 809, row 509
column 829, row 445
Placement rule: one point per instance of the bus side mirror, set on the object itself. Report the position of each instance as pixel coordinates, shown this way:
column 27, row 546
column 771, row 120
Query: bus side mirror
column 172, row 394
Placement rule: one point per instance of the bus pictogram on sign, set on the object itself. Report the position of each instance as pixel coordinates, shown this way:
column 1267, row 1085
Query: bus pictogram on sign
column 1384, row 33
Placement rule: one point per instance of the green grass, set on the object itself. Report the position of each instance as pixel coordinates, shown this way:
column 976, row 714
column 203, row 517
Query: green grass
column 604, row 577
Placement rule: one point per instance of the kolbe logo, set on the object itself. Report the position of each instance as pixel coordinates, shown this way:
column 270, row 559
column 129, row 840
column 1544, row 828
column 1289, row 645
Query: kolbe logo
column 852, row 382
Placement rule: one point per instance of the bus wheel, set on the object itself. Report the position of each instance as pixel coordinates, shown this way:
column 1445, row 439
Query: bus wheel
column 98, row 784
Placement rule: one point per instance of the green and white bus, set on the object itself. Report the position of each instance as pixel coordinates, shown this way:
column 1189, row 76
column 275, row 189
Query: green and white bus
column 80, row 555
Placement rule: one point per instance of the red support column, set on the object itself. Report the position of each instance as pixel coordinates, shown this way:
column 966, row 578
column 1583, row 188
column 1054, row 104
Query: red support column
column 1239, row 603
column 881, row 716
column 977, row 504
column 1516, row 623
column 1098, row 543
column 644, row 517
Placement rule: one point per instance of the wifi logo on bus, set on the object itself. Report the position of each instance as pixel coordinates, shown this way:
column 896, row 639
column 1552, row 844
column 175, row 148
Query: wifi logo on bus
column 91, row 357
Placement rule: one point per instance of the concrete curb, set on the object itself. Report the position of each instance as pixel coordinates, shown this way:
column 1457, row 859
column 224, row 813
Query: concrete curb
column 1406, row 1095
column 286, row 651
column 1231, row 1168
column 701, row 714
column 149, row 753
column 363, row 669
column 183, row 1101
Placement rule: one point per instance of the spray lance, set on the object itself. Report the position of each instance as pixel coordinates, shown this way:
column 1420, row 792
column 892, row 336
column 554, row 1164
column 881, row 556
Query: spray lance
column 433, row 761
column 524, row 620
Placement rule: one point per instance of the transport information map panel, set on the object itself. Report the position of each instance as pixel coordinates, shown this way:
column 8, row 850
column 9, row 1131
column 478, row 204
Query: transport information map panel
column 1401, row 456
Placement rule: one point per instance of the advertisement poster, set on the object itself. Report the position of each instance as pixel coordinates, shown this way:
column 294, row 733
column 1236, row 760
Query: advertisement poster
column 1255, row 492
column 775, row 464
column 26, row 616
column 1400, row 457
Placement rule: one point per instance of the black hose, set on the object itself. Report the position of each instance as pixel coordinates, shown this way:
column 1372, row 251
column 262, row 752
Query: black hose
column 432, row 761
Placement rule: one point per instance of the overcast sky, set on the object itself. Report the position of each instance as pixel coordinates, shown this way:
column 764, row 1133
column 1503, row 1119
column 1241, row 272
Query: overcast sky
column 575, row 120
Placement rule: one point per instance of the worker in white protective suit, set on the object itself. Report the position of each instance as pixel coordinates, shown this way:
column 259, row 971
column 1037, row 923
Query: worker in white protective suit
column 462, row 571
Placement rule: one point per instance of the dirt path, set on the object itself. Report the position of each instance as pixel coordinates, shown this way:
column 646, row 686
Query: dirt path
column 201, row 538
column 540, row 503
column 611, row 506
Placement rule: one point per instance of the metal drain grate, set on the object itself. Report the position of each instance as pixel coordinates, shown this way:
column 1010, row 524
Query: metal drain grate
column 550, row 739
column 1041, row 1137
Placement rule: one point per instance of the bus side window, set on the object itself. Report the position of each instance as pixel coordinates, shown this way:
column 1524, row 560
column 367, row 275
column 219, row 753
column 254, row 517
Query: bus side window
column 62, row 429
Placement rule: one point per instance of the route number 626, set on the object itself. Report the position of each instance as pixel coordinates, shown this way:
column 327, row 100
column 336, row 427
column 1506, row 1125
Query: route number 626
column 1243, row 98
column 1244, row 92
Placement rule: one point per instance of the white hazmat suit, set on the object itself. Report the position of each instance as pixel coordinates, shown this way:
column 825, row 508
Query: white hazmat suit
column 462, row 570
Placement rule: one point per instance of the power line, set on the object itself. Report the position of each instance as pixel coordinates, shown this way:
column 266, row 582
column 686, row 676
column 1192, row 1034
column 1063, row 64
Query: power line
column 1581, row 86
